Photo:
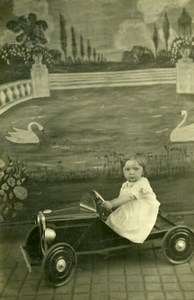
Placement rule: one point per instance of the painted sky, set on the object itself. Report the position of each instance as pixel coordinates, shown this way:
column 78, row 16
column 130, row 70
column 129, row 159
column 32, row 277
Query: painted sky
column 113, row 26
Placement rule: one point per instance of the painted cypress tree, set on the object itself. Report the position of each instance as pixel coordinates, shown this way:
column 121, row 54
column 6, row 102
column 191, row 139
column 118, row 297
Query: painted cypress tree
column 94, row 55
column 166, row 29
column 155, row 39
column 82, row 52
column 89, row 50
column 102, row 58
column 63, row 35
column 184, row 24
column 98, row 57
column 74, row 44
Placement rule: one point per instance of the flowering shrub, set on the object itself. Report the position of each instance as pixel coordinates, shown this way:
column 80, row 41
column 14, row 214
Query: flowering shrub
column 178, row 44
column 12, row 191
column 15, row 53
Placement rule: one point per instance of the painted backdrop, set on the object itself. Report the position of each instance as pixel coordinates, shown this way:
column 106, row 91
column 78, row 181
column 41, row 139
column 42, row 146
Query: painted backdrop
column 82, row 86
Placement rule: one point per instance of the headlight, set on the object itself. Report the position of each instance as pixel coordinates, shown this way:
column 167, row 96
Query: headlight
column 37, row 221
column 49, row 235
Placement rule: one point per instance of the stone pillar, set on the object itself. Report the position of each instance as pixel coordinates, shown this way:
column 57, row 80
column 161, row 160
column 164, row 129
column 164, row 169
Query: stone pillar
column 39, row 78
column 185, row 73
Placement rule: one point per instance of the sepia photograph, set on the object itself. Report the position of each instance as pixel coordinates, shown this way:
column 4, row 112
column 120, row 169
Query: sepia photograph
column 96, row 149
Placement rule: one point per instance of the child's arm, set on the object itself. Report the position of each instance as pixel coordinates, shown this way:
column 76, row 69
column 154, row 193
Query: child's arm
column 119, row 201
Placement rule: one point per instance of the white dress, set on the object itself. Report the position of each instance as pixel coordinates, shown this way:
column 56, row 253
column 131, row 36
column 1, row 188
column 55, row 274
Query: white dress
column 135, row 219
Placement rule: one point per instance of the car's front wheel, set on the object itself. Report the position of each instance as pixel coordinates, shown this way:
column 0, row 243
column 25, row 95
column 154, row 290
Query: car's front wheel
column 59, row 264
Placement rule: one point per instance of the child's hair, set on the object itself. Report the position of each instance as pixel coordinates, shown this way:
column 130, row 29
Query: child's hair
column 140, row 158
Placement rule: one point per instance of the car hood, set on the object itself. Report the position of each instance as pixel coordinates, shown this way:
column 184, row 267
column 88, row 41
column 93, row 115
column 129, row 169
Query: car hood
column 73, row 212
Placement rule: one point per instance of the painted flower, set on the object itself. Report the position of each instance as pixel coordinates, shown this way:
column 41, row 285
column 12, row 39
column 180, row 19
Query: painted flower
column 8, row 170
column 11, row 196
column 11, row 181
column 2, row 164
column 20, row 192
column 18, row 206
column 5, row 198
column 5, row 187
column 2, row 175
column 6, row 211
column 2, row 193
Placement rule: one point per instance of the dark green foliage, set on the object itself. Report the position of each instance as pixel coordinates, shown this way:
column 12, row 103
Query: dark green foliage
column 130, row 57
column 163, row 56
column 94, row 55
column 14, row 54
column 142, row 54
column 89, row 50
column 63, row 35
column 184, row 23
column 82, row 52
column 74, row 43
column 98, row 58
column 12, row 187
column 166, row 29
column 56, row 56
column 155, row 39
column 30, row 30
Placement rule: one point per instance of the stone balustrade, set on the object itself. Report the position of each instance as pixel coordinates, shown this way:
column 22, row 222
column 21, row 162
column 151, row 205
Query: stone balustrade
column 14, row 93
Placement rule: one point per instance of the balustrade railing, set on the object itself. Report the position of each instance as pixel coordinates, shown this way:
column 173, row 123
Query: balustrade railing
column 13, row 93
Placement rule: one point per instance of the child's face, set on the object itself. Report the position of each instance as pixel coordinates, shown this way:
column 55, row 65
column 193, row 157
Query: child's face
column 132, row 170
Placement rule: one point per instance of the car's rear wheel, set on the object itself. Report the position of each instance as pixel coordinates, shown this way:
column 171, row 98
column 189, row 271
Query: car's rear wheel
column 178, row 244
column 59, row 264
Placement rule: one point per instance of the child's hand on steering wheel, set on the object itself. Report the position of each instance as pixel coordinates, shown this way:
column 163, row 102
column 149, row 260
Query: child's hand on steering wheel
column 107, row 204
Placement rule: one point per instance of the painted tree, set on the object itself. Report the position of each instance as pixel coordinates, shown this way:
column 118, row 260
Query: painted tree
column 63, row 35
column 185, row 24
column 142, row 54
column 102, row 58
column 55, row 56
column 155, row 39
column 166, row 29
column 89, row 50
column 82, row 52
column 94, row 55
column 29, row 30
column 74, row 43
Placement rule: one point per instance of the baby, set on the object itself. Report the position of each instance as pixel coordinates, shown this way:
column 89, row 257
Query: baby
column 136, row 206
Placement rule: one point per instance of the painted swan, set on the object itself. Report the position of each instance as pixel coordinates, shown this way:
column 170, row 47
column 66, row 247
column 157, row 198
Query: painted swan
column 21, row 136
column 183, row 134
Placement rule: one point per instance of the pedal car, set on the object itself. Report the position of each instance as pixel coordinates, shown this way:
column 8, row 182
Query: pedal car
column 58, row 237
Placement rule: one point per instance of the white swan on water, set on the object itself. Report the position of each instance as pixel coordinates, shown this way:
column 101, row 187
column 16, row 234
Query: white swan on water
column 183, row 134
column 21, row 136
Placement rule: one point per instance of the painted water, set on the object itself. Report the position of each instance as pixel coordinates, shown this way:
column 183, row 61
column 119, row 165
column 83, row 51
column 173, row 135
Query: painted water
column 82, row 126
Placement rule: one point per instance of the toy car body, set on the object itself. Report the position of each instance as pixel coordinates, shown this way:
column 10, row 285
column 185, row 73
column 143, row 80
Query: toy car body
column 60, row 236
